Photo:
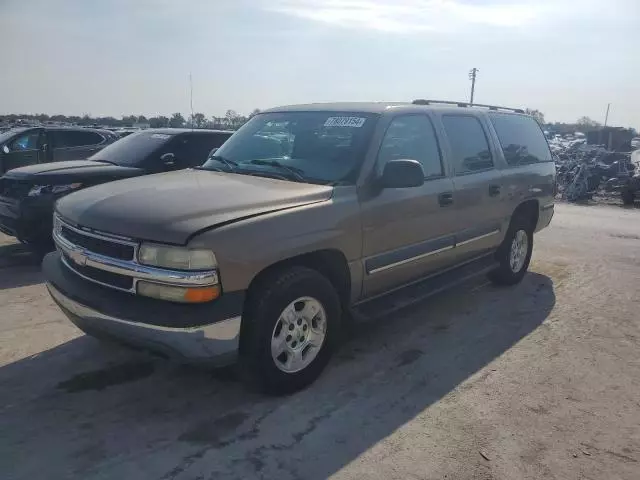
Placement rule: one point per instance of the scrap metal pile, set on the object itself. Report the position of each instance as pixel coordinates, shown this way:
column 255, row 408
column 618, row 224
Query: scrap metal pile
column 584, row 170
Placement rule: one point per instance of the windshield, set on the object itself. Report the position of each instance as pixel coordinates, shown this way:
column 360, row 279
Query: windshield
column 314, row 147
column 132, row 150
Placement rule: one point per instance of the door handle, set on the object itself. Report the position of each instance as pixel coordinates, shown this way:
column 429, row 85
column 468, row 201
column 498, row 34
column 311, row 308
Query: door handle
column 494, row 190
column 445, row 199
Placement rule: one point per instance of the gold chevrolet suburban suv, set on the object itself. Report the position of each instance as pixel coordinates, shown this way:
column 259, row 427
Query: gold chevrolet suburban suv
column 307, row 218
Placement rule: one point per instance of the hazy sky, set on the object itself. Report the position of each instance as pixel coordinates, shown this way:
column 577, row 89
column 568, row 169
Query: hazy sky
column 567, row 58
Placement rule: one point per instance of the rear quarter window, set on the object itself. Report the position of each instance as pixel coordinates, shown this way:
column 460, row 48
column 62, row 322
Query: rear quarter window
column 521, row 139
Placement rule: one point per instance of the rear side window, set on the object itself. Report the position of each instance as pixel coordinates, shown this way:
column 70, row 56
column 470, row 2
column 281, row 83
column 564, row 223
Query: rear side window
column 74, row 138
column 202, row 144
column 469, row 144
column 192, row 150
column 411, row 137
column 521, row 139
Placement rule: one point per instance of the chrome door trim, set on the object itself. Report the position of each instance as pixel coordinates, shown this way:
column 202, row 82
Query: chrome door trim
column 409, row 260
column 479, row 237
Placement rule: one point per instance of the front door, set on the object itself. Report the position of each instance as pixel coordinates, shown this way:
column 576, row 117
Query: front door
column 24, row 149
column 479, row 205
column 408, row 232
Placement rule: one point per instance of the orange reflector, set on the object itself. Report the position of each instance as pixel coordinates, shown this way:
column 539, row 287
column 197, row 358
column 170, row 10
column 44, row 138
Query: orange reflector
column 199, row 295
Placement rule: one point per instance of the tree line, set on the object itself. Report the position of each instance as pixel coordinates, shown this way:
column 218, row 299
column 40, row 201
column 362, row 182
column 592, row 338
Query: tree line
column 230, row 121
column 583, row 124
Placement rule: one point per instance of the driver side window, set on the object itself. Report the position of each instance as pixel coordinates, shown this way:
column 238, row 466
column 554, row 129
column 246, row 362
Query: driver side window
column 412, row 137
column 27, row 141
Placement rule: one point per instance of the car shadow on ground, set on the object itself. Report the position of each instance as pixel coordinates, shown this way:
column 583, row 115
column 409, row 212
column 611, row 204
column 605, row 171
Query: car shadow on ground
column 19, row 267
column 93, row 410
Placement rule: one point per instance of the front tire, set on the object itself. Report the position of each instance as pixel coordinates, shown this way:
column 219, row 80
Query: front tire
column 514, row 255
column 292, row 326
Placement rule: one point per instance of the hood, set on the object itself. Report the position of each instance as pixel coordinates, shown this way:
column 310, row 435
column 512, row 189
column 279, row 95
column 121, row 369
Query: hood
column 170, row 207
column 70, row 171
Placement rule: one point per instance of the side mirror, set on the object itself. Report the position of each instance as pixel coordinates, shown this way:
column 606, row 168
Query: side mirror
column 402, row 174
column 168, row 159
column 5, row 149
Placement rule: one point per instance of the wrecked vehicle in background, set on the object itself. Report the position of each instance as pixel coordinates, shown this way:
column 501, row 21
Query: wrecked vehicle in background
column 631, row 190
column 583, row 170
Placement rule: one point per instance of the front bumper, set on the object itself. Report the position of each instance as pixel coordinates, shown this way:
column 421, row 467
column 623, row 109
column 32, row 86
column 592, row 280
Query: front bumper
column 205, row 333
column 28, row 219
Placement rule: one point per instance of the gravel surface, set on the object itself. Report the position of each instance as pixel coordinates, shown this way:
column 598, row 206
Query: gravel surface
column 539, row 381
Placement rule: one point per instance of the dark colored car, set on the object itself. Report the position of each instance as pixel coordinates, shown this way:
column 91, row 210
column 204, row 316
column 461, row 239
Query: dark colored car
column 24, row 146
column 27, row 194
column 124, row 132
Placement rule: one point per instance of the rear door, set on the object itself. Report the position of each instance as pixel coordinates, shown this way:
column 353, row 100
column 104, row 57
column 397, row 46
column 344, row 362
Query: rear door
column 478, row 185
column 75, row 144
column 25, row 149
column 408, row 232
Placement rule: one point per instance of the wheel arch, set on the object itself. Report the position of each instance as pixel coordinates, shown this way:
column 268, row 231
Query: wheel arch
column 529, row 209
column 331, row 263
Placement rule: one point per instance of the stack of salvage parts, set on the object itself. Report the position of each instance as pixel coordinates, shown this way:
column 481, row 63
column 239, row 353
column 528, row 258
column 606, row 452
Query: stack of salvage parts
column 584, row 170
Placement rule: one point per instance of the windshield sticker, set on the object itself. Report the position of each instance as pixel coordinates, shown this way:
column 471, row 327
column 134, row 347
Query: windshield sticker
column 161, row 136
column 355, row 122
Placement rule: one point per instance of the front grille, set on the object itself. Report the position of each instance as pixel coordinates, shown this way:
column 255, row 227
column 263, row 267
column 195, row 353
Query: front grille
column 108, row 278
column 12, row 188
column 98, row 245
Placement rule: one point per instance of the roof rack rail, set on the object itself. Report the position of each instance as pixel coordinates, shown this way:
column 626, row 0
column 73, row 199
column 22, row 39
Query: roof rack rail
column 421, row 101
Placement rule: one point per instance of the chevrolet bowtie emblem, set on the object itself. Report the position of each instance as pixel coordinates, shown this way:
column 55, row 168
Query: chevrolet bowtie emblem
column 78, row 257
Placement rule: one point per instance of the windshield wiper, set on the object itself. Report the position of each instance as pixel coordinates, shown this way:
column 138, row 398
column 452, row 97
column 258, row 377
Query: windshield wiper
column 295, row 172
column 230, row 164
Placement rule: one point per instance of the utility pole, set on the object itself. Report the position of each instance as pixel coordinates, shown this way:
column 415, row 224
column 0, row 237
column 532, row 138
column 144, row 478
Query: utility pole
column 191, row 97
column 472, row 76
column 606, row 117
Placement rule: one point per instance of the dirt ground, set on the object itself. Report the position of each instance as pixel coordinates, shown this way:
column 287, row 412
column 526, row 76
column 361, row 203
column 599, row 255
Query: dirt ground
column 539, row 381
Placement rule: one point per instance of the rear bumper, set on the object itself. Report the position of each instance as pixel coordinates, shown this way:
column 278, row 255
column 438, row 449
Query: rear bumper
column 545, row 215
column 205, row 333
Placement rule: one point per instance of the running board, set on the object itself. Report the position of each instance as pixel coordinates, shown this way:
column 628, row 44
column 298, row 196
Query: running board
column 422, row 289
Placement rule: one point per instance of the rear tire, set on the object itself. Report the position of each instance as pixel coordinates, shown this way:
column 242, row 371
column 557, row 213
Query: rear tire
column 291, row 327
column 514, row 254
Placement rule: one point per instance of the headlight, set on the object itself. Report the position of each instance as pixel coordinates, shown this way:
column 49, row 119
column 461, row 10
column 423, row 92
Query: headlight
column 176, row 257
column 38, row 190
